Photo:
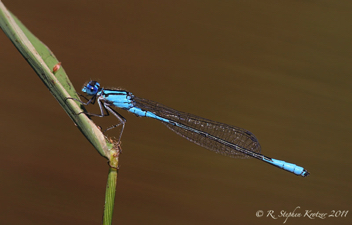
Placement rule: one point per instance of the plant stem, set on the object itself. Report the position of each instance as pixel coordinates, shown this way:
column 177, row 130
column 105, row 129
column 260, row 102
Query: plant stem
column 111, row 185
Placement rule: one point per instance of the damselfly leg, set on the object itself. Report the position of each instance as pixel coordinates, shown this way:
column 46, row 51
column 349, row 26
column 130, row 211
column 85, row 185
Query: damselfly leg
column 104, row 106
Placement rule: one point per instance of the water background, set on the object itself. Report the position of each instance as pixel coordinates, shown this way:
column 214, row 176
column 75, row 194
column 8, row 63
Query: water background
column 281, row 69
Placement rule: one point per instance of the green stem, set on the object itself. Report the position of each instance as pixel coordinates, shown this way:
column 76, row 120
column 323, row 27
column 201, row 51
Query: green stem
column 110, row 196
column 111, row 185
column 43, row 61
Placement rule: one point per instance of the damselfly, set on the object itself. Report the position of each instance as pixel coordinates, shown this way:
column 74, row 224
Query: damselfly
column 218, row 137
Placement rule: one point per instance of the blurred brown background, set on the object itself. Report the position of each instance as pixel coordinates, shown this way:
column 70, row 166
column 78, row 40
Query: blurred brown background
column 281, row 69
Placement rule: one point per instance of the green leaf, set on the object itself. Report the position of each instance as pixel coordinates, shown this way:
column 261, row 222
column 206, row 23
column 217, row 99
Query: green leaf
column 42, row 61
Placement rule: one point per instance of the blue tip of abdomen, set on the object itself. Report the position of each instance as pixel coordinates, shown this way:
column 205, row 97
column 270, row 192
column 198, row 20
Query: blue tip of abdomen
column 290, row 167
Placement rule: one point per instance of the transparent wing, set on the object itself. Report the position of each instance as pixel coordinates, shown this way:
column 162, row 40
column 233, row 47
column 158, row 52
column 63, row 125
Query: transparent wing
column 234, row 135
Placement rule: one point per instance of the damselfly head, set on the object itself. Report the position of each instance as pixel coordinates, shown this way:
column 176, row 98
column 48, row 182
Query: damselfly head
column 91, row 88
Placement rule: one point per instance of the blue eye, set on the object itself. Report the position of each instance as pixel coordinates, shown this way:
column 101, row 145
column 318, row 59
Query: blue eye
column 91, row 88
column 93, row 84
